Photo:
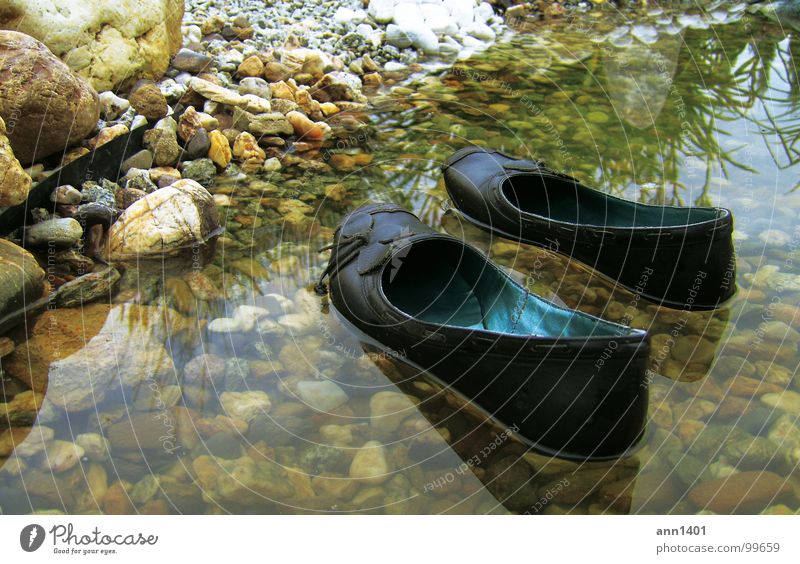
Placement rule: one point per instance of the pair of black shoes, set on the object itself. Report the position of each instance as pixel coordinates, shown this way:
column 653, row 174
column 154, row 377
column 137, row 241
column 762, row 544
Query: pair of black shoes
column 573, row 384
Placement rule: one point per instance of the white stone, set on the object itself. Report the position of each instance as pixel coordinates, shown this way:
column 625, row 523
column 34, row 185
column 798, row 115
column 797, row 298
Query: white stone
column 408, row 15
column 322, row 395
column 347, row 16
column 382, row 11
column 483, row 13
column 112, row 106
column 462, row 11
column 480, row 31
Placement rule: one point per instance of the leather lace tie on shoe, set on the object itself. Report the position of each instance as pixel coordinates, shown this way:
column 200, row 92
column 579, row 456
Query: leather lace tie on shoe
column 344, row 250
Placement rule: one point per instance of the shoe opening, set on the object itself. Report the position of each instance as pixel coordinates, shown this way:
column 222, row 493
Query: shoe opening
column 448, row 283
column 564, row 200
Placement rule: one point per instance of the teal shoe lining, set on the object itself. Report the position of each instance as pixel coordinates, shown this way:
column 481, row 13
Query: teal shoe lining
column 563, row 200
column 447, row 283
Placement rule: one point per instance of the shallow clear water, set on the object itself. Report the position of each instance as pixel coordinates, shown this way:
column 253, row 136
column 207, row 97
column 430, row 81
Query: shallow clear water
column 696, row 109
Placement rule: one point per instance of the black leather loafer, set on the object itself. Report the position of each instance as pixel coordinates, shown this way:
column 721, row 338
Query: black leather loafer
column 573, row 384
column 679, row 257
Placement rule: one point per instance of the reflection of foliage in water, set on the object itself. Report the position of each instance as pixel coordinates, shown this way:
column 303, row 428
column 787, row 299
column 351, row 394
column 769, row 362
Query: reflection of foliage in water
column 557, row 103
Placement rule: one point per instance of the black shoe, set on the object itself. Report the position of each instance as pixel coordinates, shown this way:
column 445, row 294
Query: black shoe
column 573, row 384
column 680, row 257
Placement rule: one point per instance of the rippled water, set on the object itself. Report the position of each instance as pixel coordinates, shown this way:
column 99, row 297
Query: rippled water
column 691, row 109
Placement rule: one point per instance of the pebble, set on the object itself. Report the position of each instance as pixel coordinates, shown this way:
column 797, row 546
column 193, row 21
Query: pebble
column 201, row 171
column 245, row 405
column 65, row 195
column 142, row 159
column 63, row 232
column 190, row 61
column 388, row 409
column 61, row 456
column 95, row 446
column 112, row 106
column 321, row 395
column 786, row 400
column 219, row 150
column 370, row 465
column 147, row 99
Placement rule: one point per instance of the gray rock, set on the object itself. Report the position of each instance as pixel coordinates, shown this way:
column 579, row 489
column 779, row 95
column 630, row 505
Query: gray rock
column 190, row 61
column 198, row 145
column 142, row 159
column 58, row 232
column 256, row 86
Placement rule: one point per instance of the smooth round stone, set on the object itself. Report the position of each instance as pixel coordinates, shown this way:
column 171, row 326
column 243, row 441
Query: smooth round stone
column 63, row 232
column 322, row 395
column 66, row 195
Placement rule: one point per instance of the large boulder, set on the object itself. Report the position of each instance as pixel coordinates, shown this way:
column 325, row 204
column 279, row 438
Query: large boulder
column 164, row 222
column 21, row 282
column 105, row 42
column 14, row 181
column 46, row 107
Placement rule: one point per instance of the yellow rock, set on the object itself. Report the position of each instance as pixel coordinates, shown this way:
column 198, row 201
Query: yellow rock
column 220, row 150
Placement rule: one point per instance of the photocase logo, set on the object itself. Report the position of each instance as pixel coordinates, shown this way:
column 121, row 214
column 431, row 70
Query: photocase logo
column 31, row 537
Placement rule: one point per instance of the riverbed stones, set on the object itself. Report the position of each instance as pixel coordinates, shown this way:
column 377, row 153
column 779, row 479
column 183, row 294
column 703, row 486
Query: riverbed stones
column 165, row 222
column 336, row 86
column 739, row 491
column 163, row 144
column 203, row 171
column 62, row 232
column 388, row 409
column 87, row 288
column 370, row 464
column 65, row 195
column 15, row 183
column 50, row 107
column 245, row 405
column 95, row 446
column 147, row 99
column 190, row 61
column 321, row 395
